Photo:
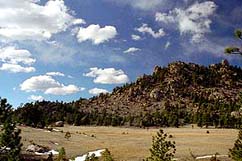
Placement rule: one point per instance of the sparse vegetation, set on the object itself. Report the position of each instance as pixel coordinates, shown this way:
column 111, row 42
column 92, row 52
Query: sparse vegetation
column 134, row 146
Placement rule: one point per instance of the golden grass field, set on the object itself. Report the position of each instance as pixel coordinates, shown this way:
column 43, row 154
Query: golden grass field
column 132, row 144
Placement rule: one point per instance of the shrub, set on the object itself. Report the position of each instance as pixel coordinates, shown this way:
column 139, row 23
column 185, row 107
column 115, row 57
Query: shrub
column 67, row 135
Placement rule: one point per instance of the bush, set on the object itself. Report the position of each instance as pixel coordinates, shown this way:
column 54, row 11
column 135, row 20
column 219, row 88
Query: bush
column 67, row 135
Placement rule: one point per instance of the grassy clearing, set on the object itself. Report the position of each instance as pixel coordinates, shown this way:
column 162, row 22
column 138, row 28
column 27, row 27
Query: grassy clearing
column 131, row 143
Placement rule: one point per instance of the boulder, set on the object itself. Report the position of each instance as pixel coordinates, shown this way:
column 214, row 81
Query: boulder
column 59, row 124
column 37, row 148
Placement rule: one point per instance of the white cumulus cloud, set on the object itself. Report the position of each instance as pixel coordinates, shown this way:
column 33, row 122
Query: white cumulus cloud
column 142, row 4
column 14, row 56
column 36, row 98
column 135, row 37
column 39, row 83
column 146, row 29
column 194, row 20
column 165, row 17
column 131, row 50
column 107, row 76
column 97, row 91
column 16, row 60
column 48, row 85
column 28, row 20
column 96, row 34
column 55, row 74
column 63, row 90
column 78, row 21
column 15, row 68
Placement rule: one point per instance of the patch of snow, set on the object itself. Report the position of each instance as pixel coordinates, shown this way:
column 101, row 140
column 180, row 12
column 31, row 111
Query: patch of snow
column 47, row 131
column 57, row 130
column 48, row 153
column 210, row 156
column 97, row 153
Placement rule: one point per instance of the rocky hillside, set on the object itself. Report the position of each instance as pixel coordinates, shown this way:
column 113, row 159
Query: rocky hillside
column 170, row 96
column 180, row 84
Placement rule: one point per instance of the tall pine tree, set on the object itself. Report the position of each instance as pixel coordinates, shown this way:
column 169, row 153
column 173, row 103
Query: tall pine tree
column 10, row 140
column 236, row 152
column 5, row 110
column 162, row 149
column 234, row 49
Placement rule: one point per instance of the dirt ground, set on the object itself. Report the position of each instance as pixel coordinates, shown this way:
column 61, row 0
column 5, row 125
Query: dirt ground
column 132, row 144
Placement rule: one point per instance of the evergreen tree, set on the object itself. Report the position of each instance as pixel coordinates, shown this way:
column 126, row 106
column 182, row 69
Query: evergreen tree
column 10, row 140
column 5, row 110
column 106, row 156
column 62, row 154
column 233, row 49
column 236, row 152
column 161, row 150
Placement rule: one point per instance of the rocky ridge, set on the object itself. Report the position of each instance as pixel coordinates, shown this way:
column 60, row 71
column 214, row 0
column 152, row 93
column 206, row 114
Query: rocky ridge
column 180, row 84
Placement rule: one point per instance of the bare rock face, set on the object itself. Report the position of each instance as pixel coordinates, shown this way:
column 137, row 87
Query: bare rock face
column 155, row 94
column 225, row 62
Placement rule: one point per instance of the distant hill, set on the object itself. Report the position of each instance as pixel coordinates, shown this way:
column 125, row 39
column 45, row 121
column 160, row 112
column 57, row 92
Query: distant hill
column 177, row 94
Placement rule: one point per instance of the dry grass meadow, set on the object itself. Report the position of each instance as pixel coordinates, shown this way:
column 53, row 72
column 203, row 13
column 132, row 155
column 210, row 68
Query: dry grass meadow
column 132, row 144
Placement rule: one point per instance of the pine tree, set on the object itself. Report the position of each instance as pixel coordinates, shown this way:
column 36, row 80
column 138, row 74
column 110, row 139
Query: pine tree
column 106, row 156
column 161, row 150
column 236, row 152
column 233, row 49
column 62, row 155
column 5, row 110
column 10, row 140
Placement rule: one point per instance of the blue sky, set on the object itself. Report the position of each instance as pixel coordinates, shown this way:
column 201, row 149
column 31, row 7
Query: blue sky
column 64, row 50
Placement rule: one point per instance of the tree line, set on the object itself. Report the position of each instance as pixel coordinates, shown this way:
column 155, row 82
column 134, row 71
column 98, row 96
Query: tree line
column 218, row 114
